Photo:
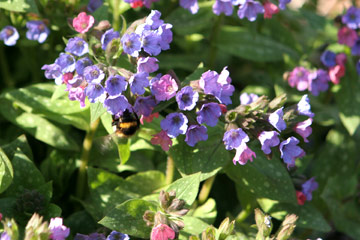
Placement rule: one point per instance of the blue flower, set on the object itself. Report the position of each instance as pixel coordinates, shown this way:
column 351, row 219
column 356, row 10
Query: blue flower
column 66, row 62
column 93, row 74
column 174, row 124
column 187, row 98
column 268, row 139
column 95, row 93
column 250, row 9
column 114, row 235
column 116, row 104
column 107, row 37
column 282, row 4
column 246, row 98
column 115, row 85
column 131, row 44
column 191, row 5
column 153, row 20
column 148, row 64
column 37, row 31
column 222, row 6
column 166, row 36
column 328, row 58
column 308, row 187
column 150, row 41
column 209, row 114
column 233, row 138
column 138, row 82
column 352, row 17
column 304, row 107
column 9, row 35
column 276, row 120
column 290, row 151
column 195, row 133
column 94, row 4
column 144, row 105
column 355, row 50
column 77, row 46
column 318, row 81
column 53, row 71
column 81, row 64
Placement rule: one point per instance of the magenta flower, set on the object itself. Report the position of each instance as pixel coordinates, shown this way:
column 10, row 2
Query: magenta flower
column 58, row 230
column 162, row 139
column 77, row 94
column 162, row 232
column 196, row 133
column 163, row 88
column 304, row 129
column 268, row 139
column 276, row 119
column 243, row 154
column 83, row 22
column 270, row 9
column 148, row 64
column 299, row 78
column 347, row 36
column 290, row 151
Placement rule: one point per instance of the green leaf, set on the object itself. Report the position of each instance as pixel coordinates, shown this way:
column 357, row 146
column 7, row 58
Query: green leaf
column 6, row 171
column 52, row 211
column 106, row 120
column 20, row 6
column 309, row 216
column 128, row 217
column 239, row 42
column 186, row 188
column 193, row 226
column 7, row 206
column 123, row 146
column 195, row 75
column 19, row 143
column 264, row 178
column 96, row 110
column 59, row 92
column 207, row 157
column 179, row 61
column 206, row 212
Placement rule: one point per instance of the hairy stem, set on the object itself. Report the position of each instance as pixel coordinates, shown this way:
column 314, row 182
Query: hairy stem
column 116, row 15
column 88, row 141
column 205, row 190
column 170, row 168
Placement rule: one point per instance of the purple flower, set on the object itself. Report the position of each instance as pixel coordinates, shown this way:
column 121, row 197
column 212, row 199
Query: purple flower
column 318, row 81
column 209, row 114
column 153, row 20
column 250, row 9
column 92, row 236
column 196, row 133
column 81, row 64
column 77, row 94
column 355, row 49
column 53, row 71
column 174, row 124
column 234, row 138
column 5, row 236
column 187, row 98
column 66, row 62
column 299, row 77
column 191, row 5
column 304, row 129
column 148, row 64
column 144, row 105
column 282, row 4
column 37, row 31
column 222, row 6
column 76, row 81
column 58, row 230
column 115, row 85
column 328, row 58
column 163, row 88
column 114, row 235
column 209, row 83
column 243, row 154
column 304, row 107
column 95, row 93
column 138, row 82
column 226, row 89
column 268, row 139
column 276, row 120
column 107, row 37
column 166, row 36
column 77, row 46
column 93, row 5
column 116, row 104
column 246, row 98
column 93, row 74
column 131, row 44
column 352, row 17
column 290, row 151
column 308, row 187
column 9, row 35
column 150, row 41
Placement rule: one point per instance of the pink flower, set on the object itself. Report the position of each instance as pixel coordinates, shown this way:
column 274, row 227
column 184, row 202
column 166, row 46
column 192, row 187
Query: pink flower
column 162, row 232
column 304, row 129
column 336, row 72
column 270, row 9
column 162, row 139
column 301, row 198
column 243, row 154
column 148, row 118
column 136, row 4
column 83, row 22
column 58, row 230
column 347, row 36
column 340, row 59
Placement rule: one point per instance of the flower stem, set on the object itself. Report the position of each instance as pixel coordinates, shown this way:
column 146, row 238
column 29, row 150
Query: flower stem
column 87, row 144
column 205, row 190
column 213, row 39
column 170, row 168
column 116, row 15
column 244, row 213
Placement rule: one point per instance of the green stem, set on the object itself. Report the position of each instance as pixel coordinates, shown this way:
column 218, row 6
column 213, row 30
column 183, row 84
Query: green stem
column 205, row 190
column 170, row 168
column 116, row 15
column 87, row 144
column 213, row 39
column 244, row 213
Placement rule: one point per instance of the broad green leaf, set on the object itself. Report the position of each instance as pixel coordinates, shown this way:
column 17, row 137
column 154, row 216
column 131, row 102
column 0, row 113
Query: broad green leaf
column 123, row 146
column 106, row 120
column 37, row 126
column 264, row 178
column 52, row 211
column 193, row 226
column 19, row 143
column 96, row 110
column 309, row 216
column 128, row 218
column 207, row 157
column 58, row 92
column 186, row 188
column 7, row 206
column 195, row 75
column 239, row 42
column 80, row 222
column 28, row 6
column 206, row 212
column 6, row 171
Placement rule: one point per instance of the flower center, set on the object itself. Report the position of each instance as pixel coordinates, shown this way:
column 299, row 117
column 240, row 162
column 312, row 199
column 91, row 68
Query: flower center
column 79, row 43
column 84, row 25
column 185, row 98
column 9, row 32
column 94, row 73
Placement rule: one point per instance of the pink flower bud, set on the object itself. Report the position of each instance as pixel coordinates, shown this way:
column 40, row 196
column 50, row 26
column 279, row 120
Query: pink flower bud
column 83, row 22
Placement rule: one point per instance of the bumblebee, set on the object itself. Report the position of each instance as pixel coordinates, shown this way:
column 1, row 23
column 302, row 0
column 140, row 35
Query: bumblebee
column 126, row 125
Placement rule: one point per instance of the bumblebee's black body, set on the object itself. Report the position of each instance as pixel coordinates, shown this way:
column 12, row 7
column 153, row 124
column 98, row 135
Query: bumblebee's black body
column 126, row 125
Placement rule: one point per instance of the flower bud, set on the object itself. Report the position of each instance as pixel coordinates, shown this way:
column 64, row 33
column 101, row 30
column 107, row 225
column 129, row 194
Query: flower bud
column 287, row 227
column 149, row 217
column 11, row 228
column 176, row 204
column 160, row 219
column 37, row 229
column 278, row 102
column 263, row 223
column 209, row 234
column 103, row 25
column 226, row 228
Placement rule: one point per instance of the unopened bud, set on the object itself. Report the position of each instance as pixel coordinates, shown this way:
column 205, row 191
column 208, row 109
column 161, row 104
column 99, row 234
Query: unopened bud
column 103, row 25
column 263, row 223
column 278, row 101
column 176, row 204
column 226, row 228
column 287, row 227
column 160, row 219
column 149, row 217
column 37, row 229
column 209, row 234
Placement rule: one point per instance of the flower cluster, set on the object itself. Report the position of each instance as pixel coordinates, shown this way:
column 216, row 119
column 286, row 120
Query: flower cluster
column 114, row 235
column 266, row 127
column 246, row 8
